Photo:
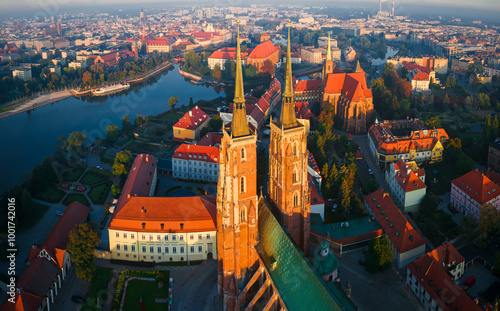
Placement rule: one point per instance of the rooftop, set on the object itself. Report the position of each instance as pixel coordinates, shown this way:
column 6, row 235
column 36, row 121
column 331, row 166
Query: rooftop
column 357, row 230
column 478, row 186
column 192, row 119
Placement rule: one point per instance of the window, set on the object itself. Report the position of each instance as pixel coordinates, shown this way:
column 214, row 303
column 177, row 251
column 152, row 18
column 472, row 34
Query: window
column 162, row 226
column 174, row 249
column 178, row 131
column 132, row 248
column 166, row 249
column 174, row 237
column 191, row 249
column 132, row 236
column 199, row 236
column 158, row 237
column 191, row 237
column 295, row 176
column 151, row 237
column 144, row 248
column 159, row 249
column 181, row 237
column 181, row 249
column 125, row 247
column 243, row 214
column 242, row 185
column 208, row 236
column 151, row 249
column 296, row 199
column 200, row 248
column 124, row 235
column 143, row 225
column 117, row 246
column 118, row 234
column 143, row 237
column 243, row 154
column 166, row 237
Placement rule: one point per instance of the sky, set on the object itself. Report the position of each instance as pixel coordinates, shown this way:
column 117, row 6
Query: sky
column 48, row 7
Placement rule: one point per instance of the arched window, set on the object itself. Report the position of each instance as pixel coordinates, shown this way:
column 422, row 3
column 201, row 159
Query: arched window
column 295, row 176
column 243, row 154
column 242, row 185
column 294, row 149
column 296, row 199
column 243, row 214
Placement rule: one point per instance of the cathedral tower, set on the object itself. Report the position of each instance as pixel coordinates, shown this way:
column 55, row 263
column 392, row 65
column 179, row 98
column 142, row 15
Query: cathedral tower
column 288, row 185
column 328, row 64
column 236, row 197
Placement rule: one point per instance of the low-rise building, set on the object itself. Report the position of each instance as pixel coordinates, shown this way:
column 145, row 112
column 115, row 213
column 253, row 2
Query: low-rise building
column 188, row 128
column 473, row 190
column 23, row 74
column 264, row 53
column 420, row 83
column 406, row 184
column 222, row 56
column 432, row 279
column 407, row 243
column 405, row 139
column 311, row 55
column 194, row 162
column 308, row 90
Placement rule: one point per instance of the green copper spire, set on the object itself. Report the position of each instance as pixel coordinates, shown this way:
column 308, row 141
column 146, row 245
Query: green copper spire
column 287, row 118
column 329, row 48
column 239, row 125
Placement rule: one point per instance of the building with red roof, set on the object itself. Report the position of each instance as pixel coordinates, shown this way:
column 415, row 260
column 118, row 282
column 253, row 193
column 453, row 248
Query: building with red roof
column 473, row 190
column 221, row 56
column 308, row 90
column 350, row 97
column 188, row 128
column 405, row 139
column 210, row 139
column 159, row 44
column 406, row 184
column 420, row 82
column 264, row 37
column 432, row 279
column 407, row 243
column 156, row 229
column 264, row 53
column 196, row 162
column 48, row 265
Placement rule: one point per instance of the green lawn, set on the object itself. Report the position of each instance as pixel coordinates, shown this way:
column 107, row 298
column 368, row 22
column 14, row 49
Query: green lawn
column 38, row 211
column 99, row 193
column 51, row 194
column 93, row 177
column 5, row 108
column 76, row 197
column 139, row 146
column 98, row 288
column 149, row 291
column 73, row 175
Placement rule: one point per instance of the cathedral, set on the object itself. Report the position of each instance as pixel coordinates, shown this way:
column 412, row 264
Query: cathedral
column 263, row 241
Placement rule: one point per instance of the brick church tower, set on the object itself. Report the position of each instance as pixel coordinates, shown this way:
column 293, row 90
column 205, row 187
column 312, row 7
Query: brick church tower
column 328, row 65
column 288, row 185
column 236, row 198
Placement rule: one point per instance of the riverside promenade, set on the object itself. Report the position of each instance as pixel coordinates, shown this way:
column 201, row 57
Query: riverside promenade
column 39, row 101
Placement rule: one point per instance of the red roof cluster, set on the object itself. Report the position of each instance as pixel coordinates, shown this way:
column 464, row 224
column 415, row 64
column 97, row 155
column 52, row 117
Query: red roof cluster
column 192, row 119
column 228, row 53
column 302, row 110
column 478, row 186
column 210, row 139
column 352, row 85
column 399, row 231
column 197, row 153
column 263, row 50
column 408, row 179
column 412, row 66
column 421, row 76
column 308, row 85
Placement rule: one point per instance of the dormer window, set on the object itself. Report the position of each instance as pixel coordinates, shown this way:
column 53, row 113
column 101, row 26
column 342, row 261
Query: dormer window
column 143, row 225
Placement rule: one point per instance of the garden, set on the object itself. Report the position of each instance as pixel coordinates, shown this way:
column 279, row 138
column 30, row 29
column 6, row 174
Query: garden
column 73, row 175
column 438, row 228
column 95, row 176
column 99, row 288
column 76, row 197
column 99, row 193
column 50, row 194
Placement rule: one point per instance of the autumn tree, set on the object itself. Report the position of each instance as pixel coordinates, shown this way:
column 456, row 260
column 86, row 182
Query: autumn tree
column 216, row 123
column 268, row 67
column 112, row 133
column 489, row 220
column 87, row 78
column 172, row 101
column 83, row 240
column 433, row 123
column 126, row 125
column 139, row 120
column 379, row 255
column 123, row 162
column 76, row 139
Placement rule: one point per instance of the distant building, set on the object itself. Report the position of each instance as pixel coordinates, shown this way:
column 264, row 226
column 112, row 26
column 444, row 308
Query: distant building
column 473, row 190
column 160, row 44
column 222, row 56
column 23, row 74
column 56, row 70
column 323, row 42
column 263, row 53
column 264, row 37
column 47, row 54
column 194, row 162
column 311, row 55
column 406, row 184
column 406, row 241
column 405, row 139
column 432, row 279
column 420, row 83
column 78, row 64
column 188, row 128
column 307, row 90
column 439, row 65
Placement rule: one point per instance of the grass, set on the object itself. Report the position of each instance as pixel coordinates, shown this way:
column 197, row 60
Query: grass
column 98, row 287
column 148, row 291
column 99, row 193
column 139, row 146
column 38, row 211
column 76, row 197
column 51, row 194
column 93, row 177
column 73, row 175
column 5, row 108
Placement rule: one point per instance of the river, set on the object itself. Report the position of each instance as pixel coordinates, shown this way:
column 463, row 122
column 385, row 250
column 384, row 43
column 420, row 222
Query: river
column 27, row 138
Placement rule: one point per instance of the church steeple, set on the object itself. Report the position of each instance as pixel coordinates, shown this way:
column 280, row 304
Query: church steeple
column 358, row 68
column 287, row 118
column 329, row 48
column 239, row 125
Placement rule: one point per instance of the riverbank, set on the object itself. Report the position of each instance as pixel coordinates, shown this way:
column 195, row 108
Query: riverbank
column 39, row 101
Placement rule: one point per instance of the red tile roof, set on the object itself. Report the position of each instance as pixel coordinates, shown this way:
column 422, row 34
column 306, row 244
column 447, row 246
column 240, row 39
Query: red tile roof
column 447, row 254
column 263, row 50
column 352, row 85
column 228, row 53
column 421, row 76
column 478, row 186
column 440, row 286
column 192, row 119
column 308, row 85
column 302, row 110
column 406, row 178
column 195, row 213
column 197, row 153
column 411, row 67
column 399, row 231
column 210, row 139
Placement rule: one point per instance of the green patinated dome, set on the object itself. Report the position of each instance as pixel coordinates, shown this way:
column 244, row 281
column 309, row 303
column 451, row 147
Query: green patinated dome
column 325, row 265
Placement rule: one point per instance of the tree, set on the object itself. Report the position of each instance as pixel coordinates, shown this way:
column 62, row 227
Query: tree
column 489, row 220
column 115, row 190
column 191, row 103
column 433, row 123
column 372, row 185
column 112, row 133
column 172, row 101
column 345, row 198
column 250, row 71
column 203, row 131
column 379, row 255
column 76, row 139
column 82, row 243
column 216, row 123
column 455, row 143
column 122, row 164
column 87, row 78
column 428, row 205
column 26, row 204
column 126, row 125
column 139, row 120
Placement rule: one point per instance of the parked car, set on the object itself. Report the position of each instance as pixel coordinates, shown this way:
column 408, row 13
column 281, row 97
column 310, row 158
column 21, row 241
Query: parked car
column 99, row 167
column 59, row 213
column 471, row 280
column 370, row 171
column 77, row 299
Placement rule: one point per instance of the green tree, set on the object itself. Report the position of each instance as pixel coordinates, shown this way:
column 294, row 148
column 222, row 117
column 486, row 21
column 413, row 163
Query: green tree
column 191, row 103
column 172, row 101
column 345, row 198
column 250, row 71
column 82, row 243
column 372, row 185
column 123, row 162
column 115, row 190
column 76, row 139
column 216, row 123
column 139, row 120
column 126, row 125
column 379, row 255
column 428, row 205
column 489, row 220
column 112, row 133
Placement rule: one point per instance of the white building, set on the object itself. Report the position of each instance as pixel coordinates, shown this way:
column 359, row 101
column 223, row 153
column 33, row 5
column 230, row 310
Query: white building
column 420, row 83
column 77, row 64
column 311, row 55
column 23, row 74
column 194, row 162
column 323, row 42
column 406, row 184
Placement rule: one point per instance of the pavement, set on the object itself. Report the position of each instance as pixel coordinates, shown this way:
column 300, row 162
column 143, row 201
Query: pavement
column 70, row 286
column 39, row 101
column 484, row 279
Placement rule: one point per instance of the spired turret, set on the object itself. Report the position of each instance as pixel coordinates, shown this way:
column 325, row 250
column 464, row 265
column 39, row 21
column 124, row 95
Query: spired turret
column 287, row 118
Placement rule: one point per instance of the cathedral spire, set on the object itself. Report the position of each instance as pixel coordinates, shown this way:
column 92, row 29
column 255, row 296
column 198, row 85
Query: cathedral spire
column 358, row 68
column 239, row 125
column 287, row 118
column 329, row 48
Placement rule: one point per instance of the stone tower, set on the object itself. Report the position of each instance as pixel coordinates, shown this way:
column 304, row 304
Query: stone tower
column 237, row 214
column 288, row 186
column 328, row 65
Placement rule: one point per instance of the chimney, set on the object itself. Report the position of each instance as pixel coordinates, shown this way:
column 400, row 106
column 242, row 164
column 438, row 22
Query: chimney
column 190, row 113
